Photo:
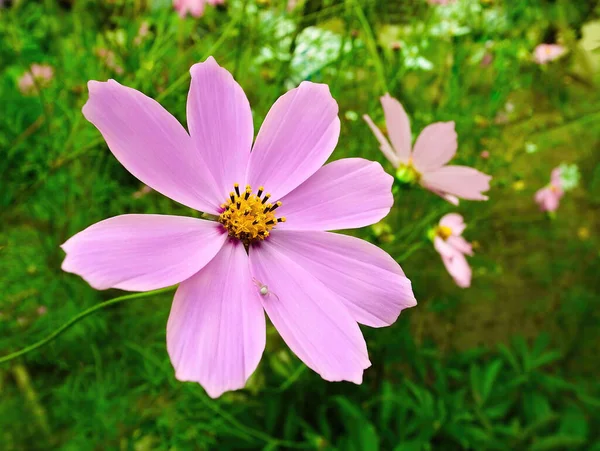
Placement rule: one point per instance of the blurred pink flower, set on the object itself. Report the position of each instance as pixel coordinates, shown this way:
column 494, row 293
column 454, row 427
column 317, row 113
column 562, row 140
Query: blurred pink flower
column 452, row 247
column 142, row 192
column 291, row 5
column 485, row 154
column 259, row 255
column 487, row 59
column 42, row 310
column 545, row 53
column 548, row 198
column 142, row 32
column 440, row 2
column 39, row 75
column 194, row 7
column 425, row 163
column 109, row 58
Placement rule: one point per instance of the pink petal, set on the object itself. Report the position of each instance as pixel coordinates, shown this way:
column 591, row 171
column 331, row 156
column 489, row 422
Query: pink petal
column 366, row 279
column 448, row 197
column 398, row 127
column 312, row 320
column 455, row 222
column 548, row 199
column 216, row 330
column 142, row 252
column 460, row 244
column 384, row 145
column 220, row 123
column 151, row 144
column 344, row 194
column 435, row 146
column 455, row 263
column 461, row 181
column 296, row 138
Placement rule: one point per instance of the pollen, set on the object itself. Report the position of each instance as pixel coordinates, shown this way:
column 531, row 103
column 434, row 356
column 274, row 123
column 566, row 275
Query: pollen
column 248, row 216
column 443, row 232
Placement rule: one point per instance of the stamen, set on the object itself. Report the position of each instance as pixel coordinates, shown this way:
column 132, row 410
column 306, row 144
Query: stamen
column 249, row 217
column 282, row 219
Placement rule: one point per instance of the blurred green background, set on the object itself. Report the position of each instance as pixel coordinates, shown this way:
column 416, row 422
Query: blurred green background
column 507, row 364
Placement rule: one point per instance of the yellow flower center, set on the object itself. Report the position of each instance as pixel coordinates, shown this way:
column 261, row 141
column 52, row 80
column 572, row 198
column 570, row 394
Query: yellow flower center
column 443, row 232
column 247, row 216
column 407, row 173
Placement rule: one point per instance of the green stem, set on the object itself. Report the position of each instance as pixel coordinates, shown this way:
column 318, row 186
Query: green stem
column 184, row 77
column 78, row 318
column 371, row 45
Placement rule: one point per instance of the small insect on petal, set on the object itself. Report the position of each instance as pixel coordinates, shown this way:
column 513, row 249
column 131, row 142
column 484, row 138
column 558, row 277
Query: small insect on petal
column 263, row 289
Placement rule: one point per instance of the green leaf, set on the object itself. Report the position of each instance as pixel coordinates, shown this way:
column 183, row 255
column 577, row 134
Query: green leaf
column 490, row 377
column 557, row 442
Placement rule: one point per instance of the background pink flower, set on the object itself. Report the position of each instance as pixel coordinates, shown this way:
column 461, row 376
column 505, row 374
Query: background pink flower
column 426, row 162
column 544, row 53
column 548, row 198
column 194, row 7
column 452, row 247
column 39, row 75
column 274, row 204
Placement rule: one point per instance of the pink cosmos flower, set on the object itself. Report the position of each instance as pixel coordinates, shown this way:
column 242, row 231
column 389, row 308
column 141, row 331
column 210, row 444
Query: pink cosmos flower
column 39, row 75
column 544, row 53
column 452, row 247
column 268, row 250
column 548, row 198
column 425, row 163
column 194, row 7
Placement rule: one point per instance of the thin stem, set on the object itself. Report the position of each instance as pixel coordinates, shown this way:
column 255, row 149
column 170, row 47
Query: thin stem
column 371, row 45
column 248, row 430
column 184, row 77
column 78, row 318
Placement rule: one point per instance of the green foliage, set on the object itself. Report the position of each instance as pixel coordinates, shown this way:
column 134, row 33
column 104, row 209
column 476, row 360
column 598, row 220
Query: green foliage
column 452, row 373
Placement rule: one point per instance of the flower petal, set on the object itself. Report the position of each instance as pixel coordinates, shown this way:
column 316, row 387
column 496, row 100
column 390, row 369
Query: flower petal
column 435, row 146
column 367, row 280
column 461, row 181
column 151, row 144
column 455, row 262
column 384, row 145
column 548, row 199
column 455, row 222
column 345, row 194
column 398, row 127
column 216, row 330
column 460, row 244
column 311, row 319
column 297, row 137
column 220, row 124
column 142, row 252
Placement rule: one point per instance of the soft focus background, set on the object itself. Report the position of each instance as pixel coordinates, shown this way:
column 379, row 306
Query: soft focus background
column 510, row 363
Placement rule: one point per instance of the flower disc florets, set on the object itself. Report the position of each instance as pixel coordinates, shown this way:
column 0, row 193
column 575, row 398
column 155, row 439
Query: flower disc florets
column 247, row 216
